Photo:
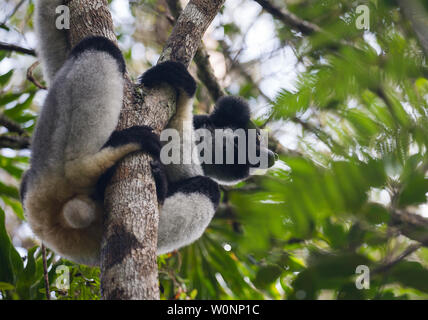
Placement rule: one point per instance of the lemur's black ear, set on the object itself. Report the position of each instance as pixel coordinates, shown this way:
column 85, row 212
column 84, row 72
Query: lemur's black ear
column 100, row 43
column 231, row 112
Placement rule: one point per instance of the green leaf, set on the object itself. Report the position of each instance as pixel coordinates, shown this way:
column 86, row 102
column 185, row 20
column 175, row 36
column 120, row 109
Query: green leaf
column 6, row 286
column 16, row 207
column 20, row 107
column 4, row 78
column 9, row 191
column 410, row 274
column 10, row 260
column 375, row 213
column 230, row 29
column 9, row 97
column 267, row 275
column 336, row 234
column 414, row 191
column 326, row 271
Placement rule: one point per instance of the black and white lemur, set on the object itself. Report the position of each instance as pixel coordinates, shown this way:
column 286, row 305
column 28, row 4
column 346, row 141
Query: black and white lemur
column 75, row 145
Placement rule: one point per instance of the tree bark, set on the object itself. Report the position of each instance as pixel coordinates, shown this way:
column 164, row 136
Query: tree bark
column 129, row 245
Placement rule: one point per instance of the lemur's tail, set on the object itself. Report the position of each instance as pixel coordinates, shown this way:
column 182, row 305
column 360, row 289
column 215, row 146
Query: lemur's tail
column 73, row 230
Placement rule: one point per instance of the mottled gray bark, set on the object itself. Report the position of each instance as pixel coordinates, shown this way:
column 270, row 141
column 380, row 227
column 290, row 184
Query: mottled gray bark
column 128, row 252
column 418, row 16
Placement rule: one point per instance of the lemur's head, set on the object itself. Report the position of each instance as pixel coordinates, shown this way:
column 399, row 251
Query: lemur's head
column 234, row 134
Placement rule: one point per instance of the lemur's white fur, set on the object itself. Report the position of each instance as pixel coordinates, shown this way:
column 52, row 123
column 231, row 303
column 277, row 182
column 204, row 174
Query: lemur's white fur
column 190, row 223
column 183, row 116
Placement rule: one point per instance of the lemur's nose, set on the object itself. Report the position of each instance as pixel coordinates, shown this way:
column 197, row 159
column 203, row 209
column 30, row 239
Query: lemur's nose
column 272, row 158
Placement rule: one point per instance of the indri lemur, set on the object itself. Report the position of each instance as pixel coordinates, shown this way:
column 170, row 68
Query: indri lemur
column 75, row 146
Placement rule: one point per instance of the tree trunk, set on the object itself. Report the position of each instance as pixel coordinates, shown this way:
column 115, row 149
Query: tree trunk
column 128, row 250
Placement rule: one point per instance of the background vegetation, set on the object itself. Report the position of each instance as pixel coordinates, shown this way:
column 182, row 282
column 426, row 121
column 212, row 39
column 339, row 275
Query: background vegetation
column 347, row 113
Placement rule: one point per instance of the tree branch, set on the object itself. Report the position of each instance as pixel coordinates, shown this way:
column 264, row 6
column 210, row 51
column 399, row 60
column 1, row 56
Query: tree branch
column 196, row 17
column 205, row 71
column 15, row 9
column 305, row 27
column 240, row 69
column 288, row 18
column 30, row 76
column 14, row 142
column 407, row 252
column 411, row 225
column 206, row 74
column 11, row 126
column 45, row 273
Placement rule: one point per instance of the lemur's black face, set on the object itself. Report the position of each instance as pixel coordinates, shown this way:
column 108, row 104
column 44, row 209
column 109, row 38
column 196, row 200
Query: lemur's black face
column 232, row 114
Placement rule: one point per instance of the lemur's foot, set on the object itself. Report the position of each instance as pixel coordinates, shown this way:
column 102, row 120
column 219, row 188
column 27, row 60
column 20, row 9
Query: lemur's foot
column 142, row 135
column 159, row 175
column 171, row 72
column 149, row 142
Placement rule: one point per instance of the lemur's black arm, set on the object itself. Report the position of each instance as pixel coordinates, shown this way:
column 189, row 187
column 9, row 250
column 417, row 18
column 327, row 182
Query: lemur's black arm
column 171, row 72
